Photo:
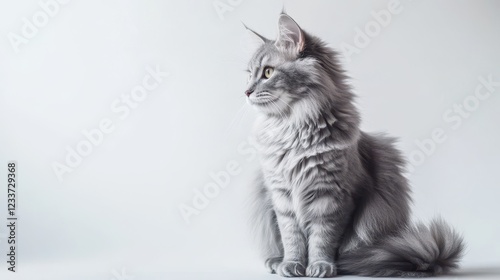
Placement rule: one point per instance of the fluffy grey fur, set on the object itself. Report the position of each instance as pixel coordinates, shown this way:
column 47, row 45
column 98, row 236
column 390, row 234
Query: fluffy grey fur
column 330, row 199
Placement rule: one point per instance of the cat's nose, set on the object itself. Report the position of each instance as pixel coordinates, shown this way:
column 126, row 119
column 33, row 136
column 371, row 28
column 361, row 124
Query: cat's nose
column 248, row 92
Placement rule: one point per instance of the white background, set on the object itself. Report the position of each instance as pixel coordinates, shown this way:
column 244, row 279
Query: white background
column 118, row 211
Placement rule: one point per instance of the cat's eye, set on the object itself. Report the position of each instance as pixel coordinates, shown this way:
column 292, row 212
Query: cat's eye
column 268, row 72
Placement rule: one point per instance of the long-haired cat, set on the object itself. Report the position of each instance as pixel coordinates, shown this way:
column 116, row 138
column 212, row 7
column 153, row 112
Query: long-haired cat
column 331, row 199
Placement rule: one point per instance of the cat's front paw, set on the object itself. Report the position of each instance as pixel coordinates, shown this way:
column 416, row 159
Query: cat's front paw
column 321, row 269
column 272, row 264
column 291, row 269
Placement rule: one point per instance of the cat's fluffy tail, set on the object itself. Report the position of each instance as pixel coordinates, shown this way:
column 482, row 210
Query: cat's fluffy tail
column 417, row 251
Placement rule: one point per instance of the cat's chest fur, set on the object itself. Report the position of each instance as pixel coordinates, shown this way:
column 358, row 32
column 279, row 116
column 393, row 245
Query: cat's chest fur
column 298, row 156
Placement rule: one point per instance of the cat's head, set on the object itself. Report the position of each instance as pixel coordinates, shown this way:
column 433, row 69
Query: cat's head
column 294, row 75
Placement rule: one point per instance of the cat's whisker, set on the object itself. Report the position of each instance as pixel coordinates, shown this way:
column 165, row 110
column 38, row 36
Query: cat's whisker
column 237, row 118
column 277, row 98
column 277, row 109
column 282, row 101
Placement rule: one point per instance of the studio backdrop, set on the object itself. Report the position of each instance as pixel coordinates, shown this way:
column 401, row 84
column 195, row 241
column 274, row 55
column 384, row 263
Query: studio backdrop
column 128, row 133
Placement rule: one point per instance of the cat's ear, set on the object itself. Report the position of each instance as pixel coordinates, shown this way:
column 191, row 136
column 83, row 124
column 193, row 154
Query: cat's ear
column 290, row 35
column 256, row 37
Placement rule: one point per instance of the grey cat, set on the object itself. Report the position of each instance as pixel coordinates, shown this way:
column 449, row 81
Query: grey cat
column 330, row 198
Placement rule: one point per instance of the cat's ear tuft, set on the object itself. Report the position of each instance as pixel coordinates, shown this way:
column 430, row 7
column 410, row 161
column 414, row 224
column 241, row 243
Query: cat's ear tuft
column 256, row 36
column 290, row 35
column 283, row 10
column 251, row 41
